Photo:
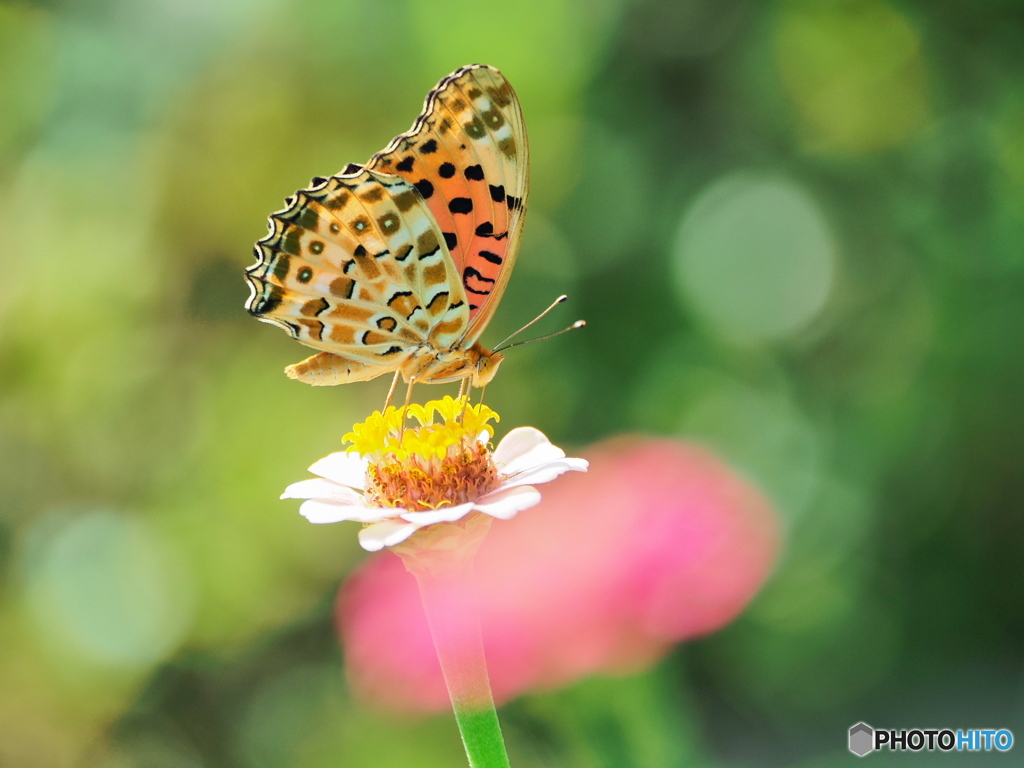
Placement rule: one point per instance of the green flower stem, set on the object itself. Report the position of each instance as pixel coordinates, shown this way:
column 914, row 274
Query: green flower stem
column 455, row 626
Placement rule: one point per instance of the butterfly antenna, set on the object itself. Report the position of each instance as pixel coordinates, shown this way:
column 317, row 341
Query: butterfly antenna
column 573, row 327
column 554, row 304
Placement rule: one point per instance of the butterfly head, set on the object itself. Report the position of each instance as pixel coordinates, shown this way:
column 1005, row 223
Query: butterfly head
column 486, row 365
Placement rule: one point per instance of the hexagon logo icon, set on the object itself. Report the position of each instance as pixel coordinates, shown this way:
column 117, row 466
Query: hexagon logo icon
column 862, row 739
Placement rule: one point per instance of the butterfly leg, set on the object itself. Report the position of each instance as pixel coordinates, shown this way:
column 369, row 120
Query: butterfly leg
column 391, row 392
column 462, row 392
column 408, row 399
column 408, row 393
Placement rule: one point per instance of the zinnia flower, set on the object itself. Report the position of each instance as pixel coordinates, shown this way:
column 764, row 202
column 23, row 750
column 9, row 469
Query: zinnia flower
column 660, row 542
column 396, row 478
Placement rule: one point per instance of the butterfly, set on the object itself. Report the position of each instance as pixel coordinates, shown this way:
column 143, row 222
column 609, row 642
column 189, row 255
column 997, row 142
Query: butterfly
column 398, row 265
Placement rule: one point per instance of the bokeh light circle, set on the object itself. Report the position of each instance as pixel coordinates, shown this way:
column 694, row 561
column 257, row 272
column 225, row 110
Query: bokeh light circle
column 754, row 256
column 104, row 585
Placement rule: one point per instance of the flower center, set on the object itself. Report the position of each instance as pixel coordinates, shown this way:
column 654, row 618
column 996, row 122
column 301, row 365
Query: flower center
column 430, row 465
column 463, row 474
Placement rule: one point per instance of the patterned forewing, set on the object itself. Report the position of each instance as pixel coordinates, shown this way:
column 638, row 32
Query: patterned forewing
column 468, row 157
column 355, row 265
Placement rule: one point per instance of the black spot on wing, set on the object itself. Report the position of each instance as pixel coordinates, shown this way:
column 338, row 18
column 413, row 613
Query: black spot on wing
column 446, row 171
column 460, row 205
column 426, row 188
column 474, row 173
column 491, row 257
column 428, row 147
column 485, row 230
column 406, row 165
column 497, row 193
column 450, row 240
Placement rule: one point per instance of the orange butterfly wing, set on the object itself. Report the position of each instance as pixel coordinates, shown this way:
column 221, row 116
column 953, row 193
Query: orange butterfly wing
column 468, row 156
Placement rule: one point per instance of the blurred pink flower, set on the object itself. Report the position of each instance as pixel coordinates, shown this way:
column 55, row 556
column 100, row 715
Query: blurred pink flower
column 659, row 542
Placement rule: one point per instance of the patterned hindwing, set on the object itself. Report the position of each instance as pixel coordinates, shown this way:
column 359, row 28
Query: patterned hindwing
column 467, row 154
column 356, row 266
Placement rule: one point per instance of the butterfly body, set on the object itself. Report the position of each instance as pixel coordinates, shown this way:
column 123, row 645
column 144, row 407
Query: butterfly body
column 397, row 266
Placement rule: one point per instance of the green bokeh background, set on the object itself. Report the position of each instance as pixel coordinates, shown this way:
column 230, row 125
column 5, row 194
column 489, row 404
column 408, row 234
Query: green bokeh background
column 796, row 230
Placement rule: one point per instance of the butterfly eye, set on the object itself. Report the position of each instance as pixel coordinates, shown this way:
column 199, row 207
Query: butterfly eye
column 305, row 275
column 335, row 227
column 316, row 247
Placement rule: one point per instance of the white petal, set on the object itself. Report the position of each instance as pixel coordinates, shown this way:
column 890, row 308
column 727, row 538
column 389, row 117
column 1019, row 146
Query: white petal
column 524, row 448
column 545, row 473
column 578, row 465
column 441, row 515
column 385, row 534
column 506, row 502
column 344, row 468
column 318, row 488
column 322, row 511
